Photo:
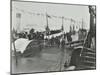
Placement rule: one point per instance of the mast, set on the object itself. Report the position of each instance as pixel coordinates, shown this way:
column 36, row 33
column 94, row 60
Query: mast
column 92, row 32
column 47, row 27
column 62, row 23
column 47, row 19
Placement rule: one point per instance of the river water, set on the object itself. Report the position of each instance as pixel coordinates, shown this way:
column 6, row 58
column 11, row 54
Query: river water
column 47, row 60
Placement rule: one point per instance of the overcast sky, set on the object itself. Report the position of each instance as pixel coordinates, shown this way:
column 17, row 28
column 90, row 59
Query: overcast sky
column 38, row 22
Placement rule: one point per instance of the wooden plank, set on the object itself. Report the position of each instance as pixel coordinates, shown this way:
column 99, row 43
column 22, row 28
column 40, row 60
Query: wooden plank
column 73, row 42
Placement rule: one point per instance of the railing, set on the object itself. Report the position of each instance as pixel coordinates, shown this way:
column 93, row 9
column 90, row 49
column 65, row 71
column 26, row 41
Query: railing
column 75, row 43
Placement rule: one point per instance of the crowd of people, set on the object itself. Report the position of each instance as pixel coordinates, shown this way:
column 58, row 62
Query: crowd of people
column 31, row 35
column 57, row 40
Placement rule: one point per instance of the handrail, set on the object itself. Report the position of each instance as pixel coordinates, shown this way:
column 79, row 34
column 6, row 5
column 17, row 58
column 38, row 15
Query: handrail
column 73, row 42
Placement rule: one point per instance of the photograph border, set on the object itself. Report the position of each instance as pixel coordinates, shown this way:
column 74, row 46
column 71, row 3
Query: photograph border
column 46, row 3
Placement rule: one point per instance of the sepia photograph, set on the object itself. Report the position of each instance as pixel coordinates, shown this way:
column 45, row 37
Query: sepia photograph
column 52, row 37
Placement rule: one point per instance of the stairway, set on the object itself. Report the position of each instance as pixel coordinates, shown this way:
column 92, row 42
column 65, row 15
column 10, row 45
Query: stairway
column 87, row 59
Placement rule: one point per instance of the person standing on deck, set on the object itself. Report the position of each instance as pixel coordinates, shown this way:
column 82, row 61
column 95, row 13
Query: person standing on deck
column 69, row 38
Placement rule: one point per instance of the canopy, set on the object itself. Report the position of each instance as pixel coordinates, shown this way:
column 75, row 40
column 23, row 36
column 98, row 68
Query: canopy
column 21, row 44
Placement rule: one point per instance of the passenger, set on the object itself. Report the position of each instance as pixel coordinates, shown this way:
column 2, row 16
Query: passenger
column 69, row 38
column 63, row 44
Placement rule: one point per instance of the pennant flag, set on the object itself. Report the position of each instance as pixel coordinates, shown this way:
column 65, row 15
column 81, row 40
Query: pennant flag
column 18, row 15
column 48, row 16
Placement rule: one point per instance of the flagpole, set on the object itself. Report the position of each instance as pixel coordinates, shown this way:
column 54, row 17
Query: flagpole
column 47, row 28
column 63, row 25
column 62, row 53
column 46, row 24
column 47, row 19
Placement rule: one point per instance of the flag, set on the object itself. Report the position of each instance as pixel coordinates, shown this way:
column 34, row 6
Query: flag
column 18, row 15
column 48, row 16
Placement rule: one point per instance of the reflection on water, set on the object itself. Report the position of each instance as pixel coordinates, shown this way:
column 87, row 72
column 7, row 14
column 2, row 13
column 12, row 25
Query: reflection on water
column 47, row 60
column 39, row 63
